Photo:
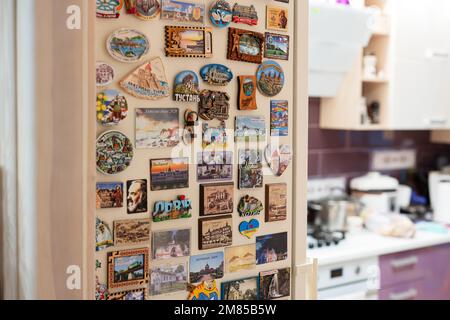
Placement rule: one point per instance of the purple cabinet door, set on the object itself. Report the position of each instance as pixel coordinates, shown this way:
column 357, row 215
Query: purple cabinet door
column 406, row 291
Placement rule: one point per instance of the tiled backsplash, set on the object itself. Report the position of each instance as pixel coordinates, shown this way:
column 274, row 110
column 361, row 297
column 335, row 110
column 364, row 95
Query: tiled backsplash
column 348, row 153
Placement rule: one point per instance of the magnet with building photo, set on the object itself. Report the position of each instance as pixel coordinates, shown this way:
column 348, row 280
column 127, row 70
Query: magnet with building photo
column 275, row 284
column 171, row 244
column 214, row 166
column 245, row 14
column 186, row 87
column 168, row 278
column 242, row 289
column 168, row 174
column 215, row 232
column 276, row 46
column 128, row 268
column 114, row 153
column 216, row 74
column 214, row 105
column 206, row 267
column 183, row 11
column 216, row 199
column 250, row 169
column 157, row 128
column 271, row 248
column 131, row 232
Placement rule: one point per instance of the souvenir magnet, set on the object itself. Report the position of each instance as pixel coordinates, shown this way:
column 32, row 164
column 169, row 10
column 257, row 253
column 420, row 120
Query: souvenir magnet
column 220, row 13
column 130, row 295
column 214, row 105
column 278, row 158
column 249, row 229
column 245, row 14
column 127, row 45
column 216, row 74
column 112, row 107
column 247, row 93
column 206, row 291
column 172, row 210
column 190, row 123
column 279, row 118
column 276, row 202
column 168, row 174
column 182, row 11
column 216, row 232
column 215, row 137
column 270, row 78
column 214, row 166
column 240, row 258
column 216, row 199
column 147, row 9
column 245, row 45
column 172, row 243
column 249, row 206
column 130, row 6
column 277, row 18
column 250, row 169
column 198, row 267
column 131, row 232
column 147, row 82
column 157, row 128
column 188, row 42
column 137, row 196
column 109, row 9
column 128, row 268
column 101, row 290
column 103, row 235
column 114, row 153
column 276, row 46
column 109, row 195
column 105, row 74
column 186, row 87
column 250, row 128
column 168, row 278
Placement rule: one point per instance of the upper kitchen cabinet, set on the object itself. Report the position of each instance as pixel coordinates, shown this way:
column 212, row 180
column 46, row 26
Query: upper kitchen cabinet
column 399, row 82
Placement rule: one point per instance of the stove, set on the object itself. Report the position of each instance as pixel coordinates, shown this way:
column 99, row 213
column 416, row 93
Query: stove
column 319, row 238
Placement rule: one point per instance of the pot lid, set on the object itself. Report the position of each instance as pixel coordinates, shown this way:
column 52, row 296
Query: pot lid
column 374, row 181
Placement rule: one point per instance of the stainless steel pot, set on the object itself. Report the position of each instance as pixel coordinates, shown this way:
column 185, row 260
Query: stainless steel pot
column 331, row 214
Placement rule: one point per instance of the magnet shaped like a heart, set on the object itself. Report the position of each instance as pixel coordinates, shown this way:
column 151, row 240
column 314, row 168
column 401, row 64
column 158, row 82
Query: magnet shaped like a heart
column 278, row 158
column 248, row 229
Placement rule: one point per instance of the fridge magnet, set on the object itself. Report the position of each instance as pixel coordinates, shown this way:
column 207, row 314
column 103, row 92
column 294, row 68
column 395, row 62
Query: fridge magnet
column 276, row 46
column 137, row 196
column 105, row 74
column 249, row 207
column 215, row 232
column 109, row 9
column 98, row 265
column 206, row 291
column 157, row 128
column 168, row 174
column 276, row 202
column 249, row 229
column 182, row 11
column 148, row 82
column 216, row 74
column 171, row 244
column 279, row 158
column 216, row 199
column 271, row 248
column 245, row 14
column 130, row 295
column 206, row 267
column 214, row 105
column 220, row 13
column 109, row 195
column 285, row 1
column 147, row 9
column 101, row 290
column 215, row 137
column 270, row 78
column 250, row 169
column 241, row 290
column 172, row 210
column 188, row 42
column 112, row 107
column 279, row 118
column 277, row 18
column 127, row 45
column 131, row 232
column 245, row 45
column 130, row 6
column 186, row 87
column 103, row 235
column 275, row 284
column 247, row 93
column 240, row 258
column 214, row 166
column 114, row 153
column 250, row 128
column 190, row 123
column 168, row 279
column 128, row 268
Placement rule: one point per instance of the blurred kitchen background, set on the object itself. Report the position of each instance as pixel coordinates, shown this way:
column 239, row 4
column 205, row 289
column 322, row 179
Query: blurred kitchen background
column 379, row 148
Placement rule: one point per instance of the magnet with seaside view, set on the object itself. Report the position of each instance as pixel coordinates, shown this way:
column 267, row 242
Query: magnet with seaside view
column 127, row 45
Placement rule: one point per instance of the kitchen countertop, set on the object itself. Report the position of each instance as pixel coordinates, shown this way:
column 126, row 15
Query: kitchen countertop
column 366, row 244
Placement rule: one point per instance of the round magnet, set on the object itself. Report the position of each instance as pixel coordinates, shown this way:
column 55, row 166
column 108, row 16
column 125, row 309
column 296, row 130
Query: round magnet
column 221, row 14
column 147, row 9
column 109, row 9
column 105, row 74
column 127, row 45
column 270, row 78
column 114, row 153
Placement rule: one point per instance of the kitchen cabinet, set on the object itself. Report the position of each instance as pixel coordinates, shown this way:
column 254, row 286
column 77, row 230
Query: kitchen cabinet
column 422, row 274
column 414, row 55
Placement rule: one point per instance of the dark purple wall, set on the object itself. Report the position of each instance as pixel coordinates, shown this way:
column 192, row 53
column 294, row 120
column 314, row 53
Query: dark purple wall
column 348, row 153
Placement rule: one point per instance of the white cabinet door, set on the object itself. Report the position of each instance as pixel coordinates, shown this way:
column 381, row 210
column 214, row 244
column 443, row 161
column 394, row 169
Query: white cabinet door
column 420, row 64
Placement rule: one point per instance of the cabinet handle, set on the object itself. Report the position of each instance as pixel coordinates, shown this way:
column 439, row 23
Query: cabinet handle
column 430, row 54
column 404, row 263
column 407, row 295
column 437, row 122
